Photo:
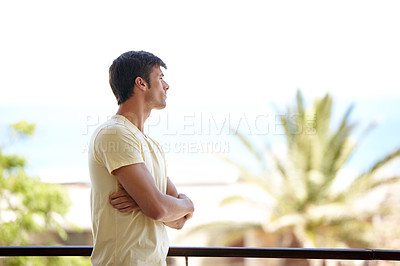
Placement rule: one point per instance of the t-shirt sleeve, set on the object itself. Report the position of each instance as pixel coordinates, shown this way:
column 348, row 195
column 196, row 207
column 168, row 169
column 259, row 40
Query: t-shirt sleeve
column 116, row 147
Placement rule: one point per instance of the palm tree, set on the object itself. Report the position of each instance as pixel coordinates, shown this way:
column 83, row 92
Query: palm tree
column 307, row 207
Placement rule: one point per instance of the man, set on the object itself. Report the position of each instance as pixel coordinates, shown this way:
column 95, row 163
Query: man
column 128, row 167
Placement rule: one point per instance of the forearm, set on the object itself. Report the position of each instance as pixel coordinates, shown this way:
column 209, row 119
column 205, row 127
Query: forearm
column 171, row 189
column 177, row 224
column 122, row 201
column 141, row 187
column 167, row 209
column 174, row 209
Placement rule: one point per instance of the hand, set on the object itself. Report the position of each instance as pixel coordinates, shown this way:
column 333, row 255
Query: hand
column 190, row 214
column 178, row 224
column 121, row 201
column 183, row 196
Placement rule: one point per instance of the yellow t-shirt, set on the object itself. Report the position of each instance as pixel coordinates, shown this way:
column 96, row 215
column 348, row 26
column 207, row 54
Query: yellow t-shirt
column 124, row 238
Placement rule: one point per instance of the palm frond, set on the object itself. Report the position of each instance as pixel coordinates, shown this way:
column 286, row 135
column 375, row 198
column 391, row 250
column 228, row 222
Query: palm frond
column 384, row 181
column 366, row 180
column 280, row 165
column 300, row 107
column 384, row 161
column 335, row 145
column 250, row 147
column 250, row 177
column 288, row 128
column 282, row 222
column 322, row 111
column 337, row 151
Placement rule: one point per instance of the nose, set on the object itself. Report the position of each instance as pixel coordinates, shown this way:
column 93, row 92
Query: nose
column 166, row 86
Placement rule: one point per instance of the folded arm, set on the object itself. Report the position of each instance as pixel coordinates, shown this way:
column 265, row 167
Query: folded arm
column 179, row 223
column 122, row 201
column 139, row 184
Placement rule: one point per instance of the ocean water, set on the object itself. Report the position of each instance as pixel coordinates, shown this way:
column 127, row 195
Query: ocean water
column 58, row 150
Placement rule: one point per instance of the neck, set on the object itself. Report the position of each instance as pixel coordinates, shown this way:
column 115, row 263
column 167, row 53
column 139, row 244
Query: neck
column 135, row 112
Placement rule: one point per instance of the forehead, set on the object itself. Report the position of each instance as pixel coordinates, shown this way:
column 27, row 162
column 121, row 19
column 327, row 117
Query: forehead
column 156, row 71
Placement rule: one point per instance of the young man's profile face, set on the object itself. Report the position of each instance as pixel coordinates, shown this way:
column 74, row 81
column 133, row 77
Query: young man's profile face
column 157, row 92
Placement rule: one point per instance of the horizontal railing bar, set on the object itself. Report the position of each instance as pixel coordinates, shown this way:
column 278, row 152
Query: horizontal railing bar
column 245, row 252
column 46, row 250
column 291, row 253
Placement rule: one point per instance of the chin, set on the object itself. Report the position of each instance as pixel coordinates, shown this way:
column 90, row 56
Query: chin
column 161, row 106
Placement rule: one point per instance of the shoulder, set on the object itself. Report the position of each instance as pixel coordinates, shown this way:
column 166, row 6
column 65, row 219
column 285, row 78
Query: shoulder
column 115, row 130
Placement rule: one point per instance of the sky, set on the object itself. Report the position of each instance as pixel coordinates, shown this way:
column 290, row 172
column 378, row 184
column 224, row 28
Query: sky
column 222, row 56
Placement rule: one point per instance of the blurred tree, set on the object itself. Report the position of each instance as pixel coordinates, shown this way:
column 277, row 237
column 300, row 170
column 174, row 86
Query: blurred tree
column 29, row 206
column 303, row 184
column 306, row 200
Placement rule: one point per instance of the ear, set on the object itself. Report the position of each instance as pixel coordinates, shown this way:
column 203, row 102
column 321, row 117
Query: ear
column 140, row 83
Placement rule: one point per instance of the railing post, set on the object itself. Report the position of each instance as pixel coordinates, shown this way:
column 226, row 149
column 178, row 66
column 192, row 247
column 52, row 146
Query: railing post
column 187, row 261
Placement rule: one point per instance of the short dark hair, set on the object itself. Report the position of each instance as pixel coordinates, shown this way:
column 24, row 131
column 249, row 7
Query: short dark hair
column 127, row 67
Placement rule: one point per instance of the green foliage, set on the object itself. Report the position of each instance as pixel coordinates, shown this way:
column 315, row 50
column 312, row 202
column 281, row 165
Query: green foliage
column 45, row 261
column 29, row 206
column 23, row 128
column 303, row 183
